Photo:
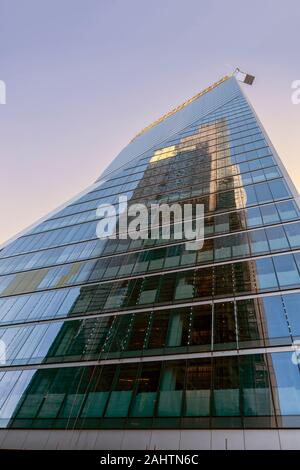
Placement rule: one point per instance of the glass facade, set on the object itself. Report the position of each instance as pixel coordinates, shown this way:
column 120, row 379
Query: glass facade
column 144, row 333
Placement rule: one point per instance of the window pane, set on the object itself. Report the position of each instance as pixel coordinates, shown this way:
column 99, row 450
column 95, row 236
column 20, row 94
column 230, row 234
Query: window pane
column 292, row 305
column 226, row 394
column 258, row 241
column 279, row 189
column 266, row 277
column 172, row 382
column 249, row 323
column 201, row 326
column 269, row 214
column 158, row 330
column 287, row 210
column 119, row 401
column 179, row 326
column 275, row 325
column 224, row 326
column 256, row 391
column 145, row 398
column 263, row 192
column 286, row 383
column 277, row 239
column 286, row 271
column 138, row 332
column 293, row 234
column 254, row 217
column 198, row 388
column 185, row 286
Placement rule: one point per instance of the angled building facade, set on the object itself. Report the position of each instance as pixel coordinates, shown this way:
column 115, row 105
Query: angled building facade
column 141, row 343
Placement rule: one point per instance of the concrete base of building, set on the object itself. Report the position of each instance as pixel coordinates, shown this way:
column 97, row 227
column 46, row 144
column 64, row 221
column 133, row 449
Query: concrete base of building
column 283, row 439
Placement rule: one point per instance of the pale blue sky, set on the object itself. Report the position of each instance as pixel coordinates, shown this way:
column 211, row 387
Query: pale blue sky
column 83, row 76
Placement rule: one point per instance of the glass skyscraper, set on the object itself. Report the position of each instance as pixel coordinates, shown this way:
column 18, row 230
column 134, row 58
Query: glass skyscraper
column 141, row 343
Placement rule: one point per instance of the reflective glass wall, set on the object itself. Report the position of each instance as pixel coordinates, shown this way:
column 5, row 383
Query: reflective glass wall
column 143, row 333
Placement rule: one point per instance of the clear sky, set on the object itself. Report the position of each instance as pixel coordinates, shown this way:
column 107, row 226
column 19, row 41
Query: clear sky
column 83, row 76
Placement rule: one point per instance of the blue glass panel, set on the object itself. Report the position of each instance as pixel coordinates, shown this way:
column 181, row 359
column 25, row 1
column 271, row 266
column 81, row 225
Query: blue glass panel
column 266, row 274
column 286, row 271
column 292, row 305
column 275, row 323
column 286, row 383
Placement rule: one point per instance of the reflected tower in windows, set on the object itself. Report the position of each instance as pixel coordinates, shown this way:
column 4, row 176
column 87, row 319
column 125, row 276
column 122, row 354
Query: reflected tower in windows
column 126, row 336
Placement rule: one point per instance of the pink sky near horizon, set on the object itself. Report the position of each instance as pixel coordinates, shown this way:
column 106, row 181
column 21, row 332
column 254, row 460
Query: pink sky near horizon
column 84, row 77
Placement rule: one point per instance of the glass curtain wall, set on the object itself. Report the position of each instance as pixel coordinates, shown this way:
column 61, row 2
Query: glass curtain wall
column 144, row 333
